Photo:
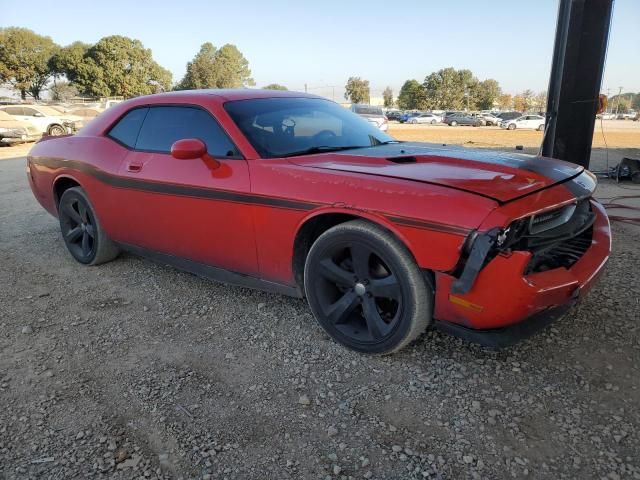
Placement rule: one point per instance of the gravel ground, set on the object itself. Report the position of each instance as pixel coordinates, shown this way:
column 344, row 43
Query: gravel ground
column 136, row 370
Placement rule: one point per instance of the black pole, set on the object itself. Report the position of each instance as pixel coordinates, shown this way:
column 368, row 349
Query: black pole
column 579, row 54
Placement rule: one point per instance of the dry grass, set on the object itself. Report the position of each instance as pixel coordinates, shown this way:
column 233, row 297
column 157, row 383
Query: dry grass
column 618, row 134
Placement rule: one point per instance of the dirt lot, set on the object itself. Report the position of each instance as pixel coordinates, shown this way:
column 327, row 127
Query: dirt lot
column 136, row 370
column 611, row 133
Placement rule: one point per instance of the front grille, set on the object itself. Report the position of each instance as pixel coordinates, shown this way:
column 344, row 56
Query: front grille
column 556, row 238
column 562, row 254
column 548, row 220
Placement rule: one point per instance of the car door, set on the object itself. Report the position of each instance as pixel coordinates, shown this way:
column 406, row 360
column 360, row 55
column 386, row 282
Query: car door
column 193, row 209
column 36, row 118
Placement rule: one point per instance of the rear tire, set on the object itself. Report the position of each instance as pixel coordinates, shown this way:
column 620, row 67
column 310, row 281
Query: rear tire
column 541, row 128
column 365, row 289
column 81, row 230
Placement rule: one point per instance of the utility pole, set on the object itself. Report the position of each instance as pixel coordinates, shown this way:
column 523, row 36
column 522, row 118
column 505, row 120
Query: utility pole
column 582, row 34
column 305, row 88
column 618, row 102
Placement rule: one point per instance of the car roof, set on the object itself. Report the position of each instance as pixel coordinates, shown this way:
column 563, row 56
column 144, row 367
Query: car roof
column 232, row 94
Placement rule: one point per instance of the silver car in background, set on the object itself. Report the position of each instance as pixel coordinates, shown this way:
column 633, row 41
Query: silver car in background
column 372, row 114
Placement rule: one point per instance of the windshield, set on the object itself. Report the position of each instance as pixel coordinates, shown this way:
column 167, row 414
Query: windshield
column 280, row 127
column 48, row 111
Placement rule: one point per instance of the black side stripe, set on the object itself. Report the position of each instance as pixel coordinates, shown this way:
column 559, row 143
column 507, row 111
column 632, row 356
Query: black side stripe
column 223, row 195
column 438, row 227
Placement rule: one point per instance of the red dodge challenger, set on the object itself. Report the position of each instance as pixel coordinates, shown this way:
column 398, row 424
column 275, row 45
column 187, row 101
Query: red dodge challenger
column 292, row 193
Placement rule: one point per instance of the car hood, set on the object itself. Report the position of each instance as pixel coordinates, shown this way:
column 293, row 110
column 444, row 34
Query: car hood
column 497, row 175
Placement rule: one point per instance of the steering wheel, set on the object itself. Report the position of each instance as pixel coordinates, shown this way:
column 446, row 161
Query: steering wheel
column 324, row 134
column 288, row 125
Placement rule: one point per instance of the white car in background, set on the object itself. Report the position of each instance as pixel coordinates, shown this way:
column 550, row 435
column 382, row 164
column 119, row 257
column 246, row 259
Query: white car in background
column 431, row 118
column 490, row 119
column 47, row 120
column 372, row 114
column 525, row 121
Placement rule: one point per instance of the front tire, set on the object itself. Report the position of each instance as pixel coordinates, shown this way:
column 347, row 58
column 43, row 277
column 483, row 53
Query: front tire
column 511, row 126
column 81, row 231
column 541, row 127
column 56, row 130
column 454, row 123
column 365, row 289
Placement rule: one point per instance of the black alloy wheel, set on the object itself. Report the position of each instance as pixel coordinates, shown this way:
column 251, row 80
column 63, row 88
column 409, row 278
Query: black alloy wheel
column 81, row 230
column 365, row 289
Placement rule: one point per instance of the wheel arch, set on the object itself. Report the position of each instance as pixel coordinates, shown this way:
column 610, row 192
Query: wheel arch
column 319, row 221
column 61, row 184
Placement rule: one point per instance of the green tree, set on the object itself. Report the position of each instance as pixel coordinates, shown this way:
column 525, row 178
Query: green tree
column 487, row 93
column 387, row 96
column 357, row 90
column 24, row 60
column 449, row 88
column 524, row 101
column 505, row 101
column 115, row 66
column 275, row 86
column 213, row 68
column 62, row 91
column 411, row 96
column 72, row 62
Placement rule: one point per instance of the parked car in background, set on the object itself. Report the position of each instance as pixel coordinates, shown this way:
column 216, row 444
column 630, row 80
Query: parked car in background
column 526, row 121
column 508, row 115
column 489, row 119
column 606, row 116
column 394, row 115
column 462, row 119
column 431, row 118
column 13, row 130
column 86, row 112
column 46, row 119
column 405, row 117
column 372, row 114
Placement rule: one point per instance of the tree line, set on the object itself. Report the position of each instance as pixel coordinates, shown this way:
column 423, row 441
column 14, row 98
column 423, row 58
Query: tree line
column 121, row 66
column 448, row 89
column 113, row 66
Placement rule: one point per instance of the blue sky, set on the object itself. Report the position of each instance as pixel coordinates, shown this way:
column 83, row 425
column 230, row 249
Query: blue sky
column 322, row 43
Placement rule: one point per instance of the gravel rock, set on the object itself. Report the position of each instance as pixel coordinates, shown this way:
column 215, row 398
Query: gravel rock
column 212, row 381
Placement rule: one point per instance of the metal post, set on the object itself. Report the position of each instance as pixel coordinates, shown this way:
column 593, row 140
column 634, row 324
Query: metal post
column 582, row 33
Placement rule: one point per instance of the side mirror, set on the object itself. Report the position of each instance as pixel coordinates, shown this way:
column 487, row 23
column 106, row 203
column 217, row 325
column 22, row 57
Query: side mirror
column 188, row 149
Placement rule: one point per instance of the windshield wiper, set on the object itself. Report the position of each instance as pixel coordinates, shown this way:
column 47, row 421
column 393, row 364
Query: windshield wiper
column 320, row 149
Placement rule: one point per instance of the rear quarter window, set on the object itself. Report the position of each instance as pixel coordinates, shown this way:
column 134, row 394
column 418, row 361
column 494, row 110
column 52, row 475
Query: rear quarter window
column 128, row 127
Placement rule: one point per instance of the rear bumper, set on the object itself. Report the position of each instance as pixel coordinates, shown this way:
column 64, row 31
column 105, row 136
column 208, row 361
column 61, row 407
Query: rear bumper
column 503, row 296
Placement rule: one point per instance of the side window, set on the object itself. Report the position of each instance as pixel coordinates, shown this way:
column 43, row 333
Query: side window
column 127, row 129
column 29, row 111
column 165, row 125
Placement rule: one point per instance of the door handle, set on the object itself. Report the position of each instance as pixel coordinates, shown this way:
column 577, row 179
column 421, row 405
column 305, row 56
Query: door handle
column 134, row 167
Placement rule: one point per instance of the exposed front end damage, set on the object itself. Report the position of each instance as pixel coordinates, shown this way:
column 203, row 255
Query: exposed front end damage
column 513, row 280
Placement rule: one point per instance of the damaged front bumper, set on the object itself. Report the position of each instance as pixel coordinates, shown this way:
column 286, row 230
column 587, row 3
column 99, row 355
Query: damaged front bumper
column 485, row 302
